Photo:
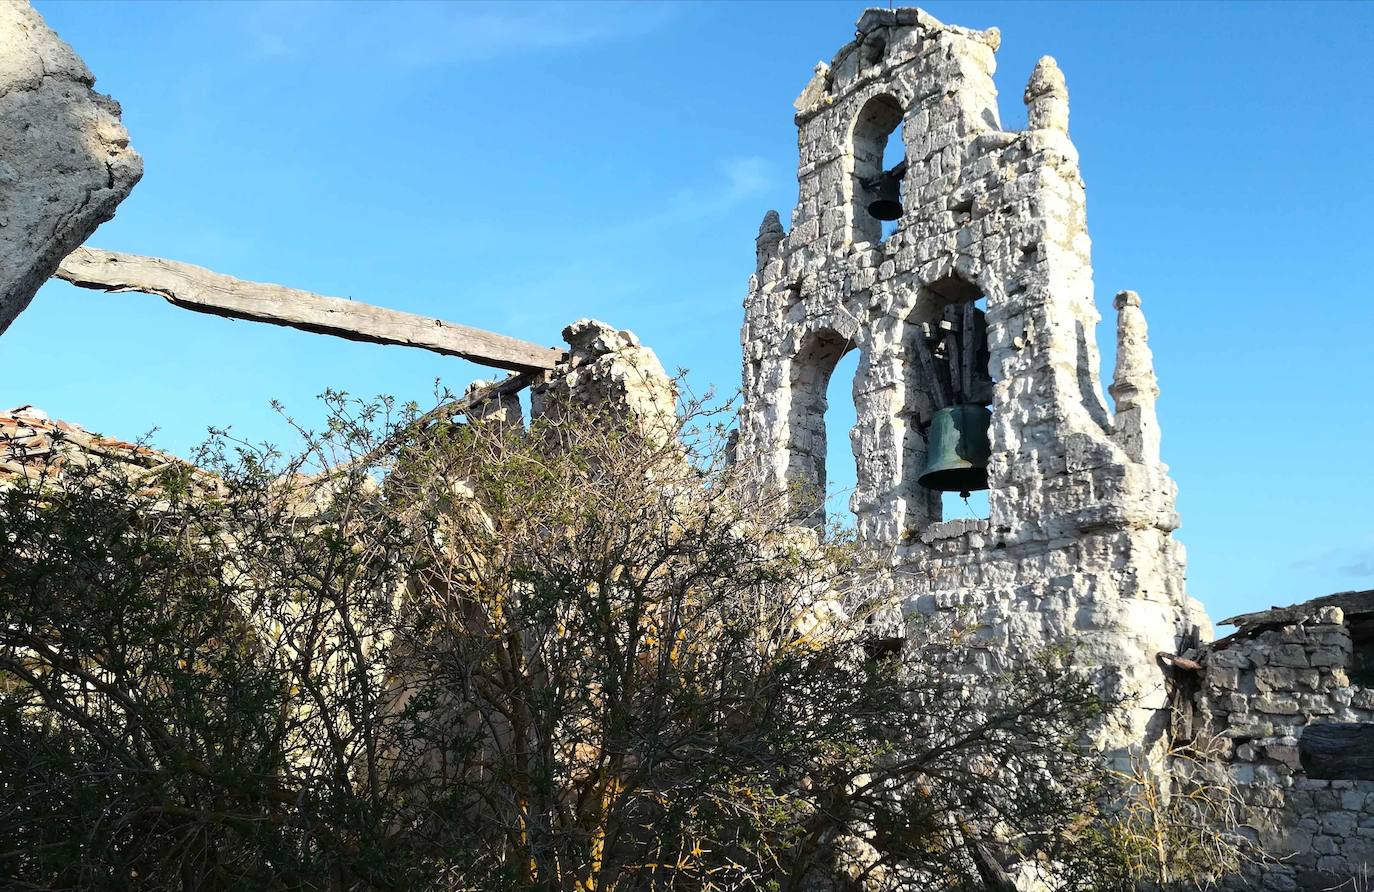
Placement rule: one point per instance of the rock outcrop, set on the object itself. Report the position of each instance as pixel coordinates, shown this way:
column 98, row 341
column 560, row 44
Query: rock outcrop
column 65, row 159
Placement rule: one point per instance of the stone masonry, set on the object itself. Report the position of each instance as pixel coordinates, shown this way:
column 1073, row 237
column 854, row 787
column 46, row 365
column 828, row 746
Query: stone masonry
column 1078, row 547
column 1257, row 695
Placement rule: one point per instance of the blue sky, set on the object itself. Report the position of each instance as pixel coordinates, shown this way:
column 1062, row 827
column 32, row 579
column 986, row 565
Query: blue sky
column 515, row 167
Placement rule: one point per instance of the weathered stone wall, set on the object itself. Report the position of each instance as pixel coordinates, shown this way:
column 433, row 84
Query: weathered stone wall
column 1258, row 693
column 1078, row 546
column 608, row 370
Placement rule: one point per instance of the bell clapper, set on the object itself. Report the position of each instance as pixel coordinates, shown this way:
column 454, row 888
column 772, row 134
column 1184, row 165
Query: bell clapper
column 968, row 506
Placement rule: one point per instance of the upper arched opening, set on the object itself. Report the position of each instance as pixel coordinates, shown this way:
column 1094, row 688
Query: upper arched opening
column 878, row 120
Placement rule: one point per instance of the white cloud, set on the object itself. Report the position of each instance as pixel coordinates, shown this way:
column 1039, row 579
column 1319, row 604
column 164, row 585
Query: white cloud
column 748, row 176
column 422, row 34
column 1355, row 560
column 738, row 179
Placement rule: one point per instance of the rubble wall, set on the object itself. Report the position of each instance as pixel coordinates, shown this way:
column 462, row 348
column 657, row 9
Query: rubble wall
column 1258, row 693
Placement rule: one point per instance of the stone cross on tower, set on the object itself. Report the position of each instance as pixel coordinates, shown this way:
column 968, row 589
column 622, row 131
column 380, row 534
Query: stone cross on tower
column 982, row 295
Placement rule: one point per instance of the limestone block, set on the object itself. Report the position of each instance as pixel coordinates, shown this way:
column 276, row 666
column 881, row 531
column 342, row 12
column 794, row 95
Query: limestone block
column 1286, row 754
column 1231, row 658
column 1280, row 882
column 503, row 410
column 1333, row 616
column 1314, row 705
column 1327, row 656
column 65, row 160
column 1333, row 866
column 1275, row 678
column 1248, row 726
column 1289, row 655
column 612, row 372
column 1265, row 797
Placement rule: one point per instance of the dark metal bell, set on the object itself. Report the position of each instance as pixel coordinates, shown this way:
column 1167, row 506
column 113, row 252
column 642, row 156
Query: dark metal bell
column 887, row 197
column 957, row 450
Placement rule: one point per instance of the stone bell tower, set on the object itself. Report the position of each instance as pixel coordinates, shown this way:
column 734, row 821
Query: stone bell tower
column 980, row 296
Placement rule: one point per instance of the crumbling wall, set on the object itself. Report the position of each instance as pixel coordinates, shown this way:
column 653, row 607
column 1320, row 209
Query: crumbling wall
column 1078, row 547
column 65, row 160
column 609, row 371
column 1258, row 693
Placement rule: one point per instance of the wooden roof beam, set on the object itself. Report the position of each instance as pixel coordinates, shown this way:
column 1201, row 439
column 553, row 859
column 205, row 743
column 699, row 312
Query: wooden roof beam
column 204, row 291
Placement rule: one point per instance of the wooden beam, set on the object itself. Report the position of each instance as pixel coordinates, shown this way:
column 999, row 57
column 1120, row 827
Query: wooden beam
column 937, row 390
column 969, row 352
column 204, row 291
column 951, row 327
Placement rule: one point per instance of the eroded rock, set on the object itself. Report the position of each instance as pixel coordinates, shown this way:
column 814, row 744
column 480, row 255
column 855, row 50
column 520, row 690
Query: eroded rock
column 65, row 159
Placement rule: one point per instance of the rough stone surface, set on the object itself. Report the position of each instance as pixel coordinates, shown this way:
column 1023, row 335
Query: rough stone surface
column 1257, row 692
column 65, row 160
column 610, row 371
column 1078, row 547
column 504, row 409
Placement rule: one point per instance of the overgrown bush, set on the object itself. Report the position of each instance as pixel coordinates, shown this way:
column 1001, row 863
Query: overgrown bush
column 471, row 656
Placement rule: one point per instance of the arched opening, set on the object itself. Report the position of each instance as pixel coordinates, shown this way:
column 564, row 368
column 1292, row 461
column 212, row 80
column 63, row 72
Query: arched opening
column 841, row 464
column 808, row 443
column 948, row 405
column 879, row 167
column 894, row 158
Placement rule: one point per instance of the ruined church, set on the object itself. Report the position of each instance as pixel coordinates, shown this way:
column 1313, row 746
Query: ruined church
column 953, row 257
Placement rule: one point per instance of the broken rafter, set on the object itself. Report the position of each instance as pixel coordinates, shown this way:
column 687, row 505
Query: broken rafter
column 205, row 291
column 1174, row 661
column 512, row 385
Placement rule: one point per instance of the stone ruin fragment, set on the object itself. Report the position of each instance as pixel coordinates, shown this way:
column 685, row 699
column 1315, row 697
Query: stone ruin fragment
column 1289, row 701
column 979, row 296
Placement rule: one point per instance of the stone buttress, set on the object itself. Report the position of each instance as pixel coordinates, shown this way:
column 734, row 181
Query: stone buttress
column 991, row 254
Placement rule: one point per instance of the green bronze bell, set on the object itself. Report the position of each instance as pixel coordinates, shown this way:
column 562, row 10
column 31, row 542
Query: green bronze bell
column 957, row 450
